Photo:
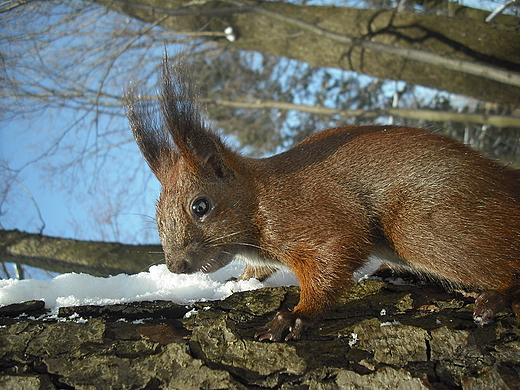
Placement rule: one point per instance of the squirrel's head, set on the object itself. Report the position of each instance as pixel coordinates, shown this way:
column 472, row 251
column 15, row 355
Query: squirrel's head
column 205, row 210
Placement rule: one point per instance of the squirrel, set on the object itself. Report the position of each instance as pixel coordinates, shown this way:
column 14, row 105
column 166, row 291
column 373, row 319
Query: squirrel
column 323, row 206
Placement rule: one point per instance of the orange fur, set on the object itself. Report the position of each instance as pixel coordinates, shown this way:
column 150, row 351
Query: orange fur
column 323, row 206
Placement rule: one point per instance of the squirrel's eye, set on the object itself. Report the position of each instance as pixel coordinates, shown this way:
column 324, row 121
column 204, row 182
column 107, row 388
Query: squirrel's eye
column 200, row 207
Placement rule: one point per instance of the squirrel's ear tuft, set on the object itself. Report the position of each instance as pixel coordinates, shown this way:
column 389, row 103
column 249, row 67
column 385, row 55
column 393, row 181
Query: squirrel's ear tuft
column 199, row 146
column 179, row 133
column 154, row 141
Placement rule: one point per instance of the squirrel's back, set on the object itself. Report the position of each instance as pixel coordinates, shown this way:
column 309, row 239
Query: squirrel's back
column 441, row 207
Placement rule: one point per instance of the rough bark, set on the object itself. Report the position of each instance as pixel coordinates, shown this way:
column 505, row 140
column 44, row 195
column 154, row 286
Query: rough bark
column 491, row 44
column 381, row 336
column 64, row 255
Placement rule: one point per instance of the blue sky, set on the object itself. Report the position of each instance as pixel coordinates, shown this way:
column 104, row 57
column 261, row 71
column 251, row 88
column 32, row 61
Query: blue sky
column 60, row 210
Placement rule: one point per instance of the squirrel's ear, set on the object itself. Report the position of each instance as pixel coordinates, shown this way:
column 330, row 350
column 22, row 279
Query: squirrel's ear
column 216, row 161
column 197, row 145
column 203, row 152
column 153, row 139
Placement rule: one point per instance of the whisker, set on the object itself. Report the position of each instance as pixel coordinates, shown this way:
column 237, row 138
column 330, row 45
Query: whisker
column 244, row 244
column 238, row 243
column 148, row 252
column 162, row 261
column 223, row 237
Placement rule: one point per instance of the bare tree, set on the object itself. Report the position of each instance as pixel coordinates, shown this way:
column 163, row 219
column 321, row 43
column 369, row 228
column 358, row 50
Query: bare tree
column 477, row 59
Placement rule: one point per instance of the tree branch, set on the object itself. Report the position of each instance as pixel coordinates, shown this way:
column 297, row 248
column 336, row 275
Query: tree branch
column 241, row 9
column 437, row 116
column 64, row 255
column 10, row 5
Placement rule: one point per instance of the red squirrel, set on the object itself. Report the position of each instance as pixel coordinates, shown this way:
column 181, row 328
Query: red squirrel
column 322, row 207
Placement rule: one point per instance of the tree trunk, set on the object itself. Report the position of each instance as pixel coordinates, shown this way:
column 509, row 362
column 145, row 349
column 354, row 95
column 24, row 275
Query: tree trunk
column 461, row 39
column 64, row 255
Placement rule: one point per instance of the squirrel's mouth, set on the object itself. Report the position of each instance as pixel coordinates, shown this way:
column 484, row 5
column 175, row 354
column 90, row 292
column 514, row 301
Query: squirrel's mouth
column 215, row 263
column 210, row 266
column 197, row 260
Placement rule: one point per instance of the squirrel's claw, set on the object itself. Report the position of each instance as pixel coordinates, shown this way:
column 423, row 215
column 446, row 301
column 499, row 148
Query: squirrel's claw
column 488, row 305
column 283, row 327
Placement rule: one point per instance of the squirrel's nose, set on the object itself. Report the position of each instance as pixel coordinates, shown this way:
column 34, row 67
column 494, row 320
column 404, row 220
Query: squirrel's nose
column 178, row 266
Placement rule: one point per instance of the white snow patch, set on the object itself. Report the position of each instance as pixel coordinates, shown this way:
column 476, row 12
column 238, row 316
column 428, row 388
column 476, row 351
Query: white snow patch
column 353, row 339
column 367, row 269
column 390, row 323
column 158, row 283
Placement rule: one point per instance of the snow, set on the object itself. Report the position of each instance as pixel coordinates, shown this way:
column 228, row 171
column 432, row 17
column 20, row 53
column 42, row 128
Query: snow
column 390, row 323
column 158, row 283
column 354, row 340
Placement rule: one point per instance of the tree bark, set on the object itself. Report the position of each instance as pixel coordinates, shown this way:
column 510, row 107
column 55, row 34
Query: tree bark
column 64, row 255
column 467, row 40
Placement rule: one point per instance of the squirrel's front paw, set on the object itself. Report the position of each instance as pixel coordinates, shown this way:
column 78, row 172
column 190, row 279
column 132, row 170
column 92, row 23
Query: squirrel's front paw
column 284, row 327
